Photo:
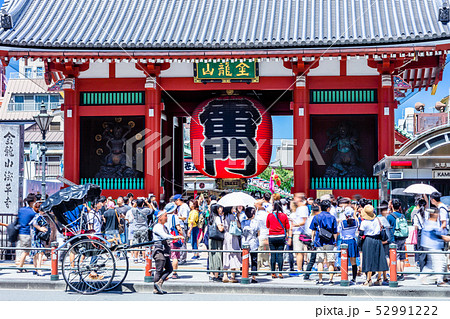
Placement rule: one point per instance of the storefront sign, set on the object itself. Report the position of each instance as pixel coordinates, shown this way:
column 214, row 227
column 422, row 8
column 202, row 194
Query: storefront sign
column 11, row 166
column 226, row 71
column 231, row 137
column 232, row 183
column 441, row 174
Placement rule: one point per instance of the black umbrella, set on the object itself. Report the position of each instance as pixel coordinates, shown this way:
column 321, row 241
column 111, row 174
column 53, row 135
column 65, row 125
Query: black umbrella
column 70, row 198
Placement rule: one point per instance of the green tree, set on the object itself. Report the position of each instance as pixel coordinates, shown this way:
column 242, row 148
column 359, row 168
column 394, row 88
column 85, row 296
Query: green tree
column 286, row 177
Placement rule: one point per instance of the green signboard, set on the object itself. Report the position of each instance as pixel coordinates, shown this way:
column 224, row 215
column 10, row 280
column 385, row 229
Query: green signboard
column 226, row 72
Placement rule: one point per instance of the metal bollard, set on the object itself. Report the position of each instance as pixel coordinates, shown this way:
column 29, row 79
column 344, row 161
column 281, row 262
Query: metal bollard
column 393, row 266
column 344, row 265
column 54, row 258
column 148, row 265
column 245, row 264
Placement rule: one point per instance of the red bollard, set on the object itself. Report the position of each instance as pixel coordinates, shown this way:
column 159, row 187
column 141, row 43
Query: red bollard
column 54, row 261
column 344, row 265
column 245, row 264
column 148, row 265
column 393, row 266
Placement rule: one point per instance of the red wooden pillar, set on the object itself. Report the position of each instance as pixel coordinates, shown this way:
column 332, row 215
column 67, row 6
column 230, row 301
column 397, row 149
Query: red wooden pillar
column 152, row 179
column 301, row 120
column 167, row 156
column 71, row 131
column 386, row 117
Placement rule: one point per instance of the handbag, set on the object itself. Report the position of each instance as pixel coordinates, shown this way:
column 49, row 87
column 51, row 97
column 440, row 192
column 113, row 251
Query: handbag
column 325, row 234
column 44, row 236
column 304, row 238
column 414, row 237
column 215, row 233
column 234, row 229
column 174, row 232
column 383, row 233
column 118, row 221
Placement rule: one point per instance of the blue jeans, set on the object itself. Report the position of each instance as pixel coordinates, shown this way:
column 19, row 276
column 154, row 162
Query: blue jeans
column 194, row 236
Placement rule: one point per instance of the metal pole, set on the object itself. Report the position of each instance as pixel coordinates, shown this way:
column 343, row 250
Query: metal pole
column 44, row 162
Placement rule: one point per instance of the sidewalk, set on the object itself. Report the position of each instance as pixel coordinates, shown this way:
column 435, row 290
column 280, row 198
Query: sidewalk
column 196, row 282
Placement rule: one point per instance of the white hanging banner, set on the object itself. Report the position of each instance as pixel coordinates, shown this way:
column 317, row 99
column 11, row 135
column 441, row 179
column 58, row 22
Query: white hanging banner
column 11, row 167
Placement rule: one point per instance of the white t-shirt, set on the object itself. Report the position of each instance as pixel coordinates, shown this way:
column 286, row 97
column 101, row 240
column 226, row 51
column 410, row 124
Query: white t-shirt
column 333, row 211
column 170, row 219
column 296, row 217
column 183, row 211
column 261, row 217
column 418, row 220
column 268, row 207
column 370, row 227
column 95, row 219
column 443, row 213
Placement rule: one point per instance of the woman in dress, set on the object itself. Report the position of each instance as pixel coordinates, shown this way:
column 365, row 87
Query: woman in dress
column 39, row 226
column 231, row 261
column 193, row 226
column 348, row 228
column 216, row 219
column 373, row 257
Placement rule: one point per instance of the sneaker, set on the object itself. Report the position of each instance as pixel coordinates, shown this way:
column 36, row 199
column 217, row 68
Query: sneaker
column 385, row 283
column 175, row 276
column 216, row 279
column 352, row 282
column 274, row 276
column 401, row 278
column 182, row 262
column 280, row 276
column 442, row 284
column 254, row 281
column 331, row 282
column 319, row 282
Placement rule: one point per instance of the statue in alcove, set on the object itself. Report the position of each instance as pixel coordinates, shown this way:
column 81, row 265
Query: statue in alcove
column 346, row 158
column 115, row 162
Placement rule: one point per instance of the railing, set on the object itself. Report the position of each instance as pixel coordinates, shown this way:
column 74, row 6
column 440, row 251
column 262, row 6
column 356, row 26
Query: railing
column 344, row 183
column 51, row 170
column 31, row 106
column 115, row 183
column 245, row 270
column 27, row 75
column 6, row 254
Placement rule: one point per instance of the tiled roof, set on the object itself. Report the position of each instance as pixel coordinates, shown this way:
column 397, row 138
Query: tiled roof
column 51, row 136
column 174, row 24
column 21, row 86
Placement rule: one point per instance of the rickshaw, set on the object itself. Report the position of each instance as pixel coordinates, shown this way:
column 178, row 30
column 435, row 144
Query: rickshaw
column 90, row 263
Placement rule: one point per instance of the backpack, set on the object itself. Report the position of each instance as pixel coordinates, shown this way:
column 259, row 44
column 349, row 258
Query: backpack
column 12, row 231
column 150, row 229
column 401, row 227
column 201, row 221
column 447, row 211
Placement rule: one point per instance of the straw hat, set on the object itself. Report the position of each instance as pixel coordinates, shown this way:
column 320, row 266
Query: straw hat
column 368, row 213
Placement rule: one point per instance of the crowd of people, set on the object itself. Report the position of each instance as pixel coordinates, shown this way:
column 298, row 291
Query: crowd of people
column 303, row 232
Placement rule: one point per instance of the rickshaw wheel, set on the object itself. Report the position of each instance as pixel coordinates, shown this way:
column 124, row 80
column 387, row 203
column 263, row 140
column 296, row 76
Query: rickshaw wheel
column 88, row 266
column 121, row 266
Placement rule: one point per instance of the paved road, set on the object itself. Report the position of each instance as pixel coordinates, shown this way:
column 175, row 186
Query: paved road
column 36, row 295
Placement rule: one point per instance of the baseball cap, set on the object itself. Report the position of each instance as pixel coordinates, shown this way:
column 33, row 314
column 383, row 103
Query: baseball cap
column 177, row 196
column 160, row 213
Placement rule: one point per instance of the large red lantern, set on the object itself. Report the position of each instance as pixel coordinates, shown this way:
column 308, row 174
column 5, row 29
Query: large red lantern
column 231, row 137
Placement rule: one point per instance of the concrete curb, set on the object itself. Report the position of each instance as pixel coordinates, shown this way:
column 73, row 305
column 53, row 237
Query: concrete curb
column 201, row 287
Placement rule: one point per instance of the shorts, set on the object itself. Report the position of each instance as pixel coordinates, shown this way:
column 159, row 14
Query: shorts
column 401, row 246
column 174, row 254
column 140, row 236
column 24, row 240
column 298, row 244
column 328, row 257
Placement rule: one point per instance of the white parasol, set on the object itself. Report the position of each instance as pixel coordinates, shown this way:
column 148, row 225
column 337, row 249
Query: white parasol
column 420, row 189
column 237, row 199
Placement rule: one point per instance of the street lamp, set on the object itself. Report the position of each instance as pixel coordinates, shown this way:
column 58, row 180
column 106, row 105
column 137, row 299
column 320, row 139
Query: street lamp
column 43, row 120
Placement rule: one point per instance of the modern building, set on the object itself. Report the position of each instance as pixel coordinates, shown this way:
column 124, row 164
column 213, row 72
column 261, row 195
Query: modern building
column 132, row 75
column 284, row 156
column 27, row 89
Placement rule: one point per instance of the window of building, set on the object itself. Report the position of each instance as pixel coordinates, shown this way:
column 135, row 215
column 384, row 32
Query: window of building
column 40, row 72
column 31, row 102
column 55, row 126
column 28, row 73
